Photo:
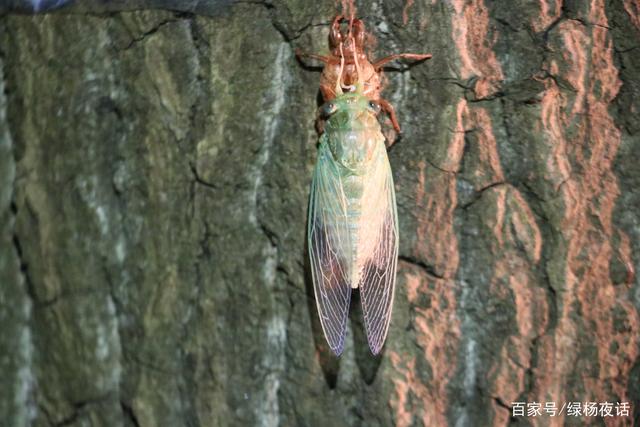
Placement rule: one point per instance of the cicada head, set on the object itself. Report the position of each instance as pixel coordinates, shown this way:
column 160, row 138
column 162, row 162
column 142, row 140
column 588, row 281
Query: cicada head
column 351, row 110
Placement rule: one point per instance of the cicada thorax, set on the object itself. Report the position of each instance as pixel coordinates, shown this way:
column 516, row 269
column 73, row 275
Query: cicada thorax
column 352, row 130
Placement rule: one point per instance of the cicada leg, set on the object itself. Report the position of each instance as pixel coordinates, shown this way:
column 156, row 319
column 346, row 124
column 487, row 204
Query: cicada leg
column 388, row 108
column 322, row 58
column 413, row 56
column 320, row 125
column 319, row 121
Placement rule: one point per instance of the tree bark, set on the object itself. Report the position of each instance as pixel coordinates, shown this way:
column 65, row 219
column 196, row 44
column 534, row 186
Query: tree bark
column 154, row 177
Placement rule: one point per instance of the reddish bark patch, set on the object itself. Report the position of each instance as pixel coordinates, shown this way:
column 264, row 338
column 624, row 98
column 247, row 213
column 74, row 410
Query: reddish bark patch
column 550, row 11
column 583, row 141
column 471, row 34
column 422, row 377
column 632, row 7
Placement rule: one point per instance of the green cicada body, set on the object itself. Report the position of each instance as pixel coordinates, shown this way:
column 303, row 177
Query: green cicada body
column 353, row 225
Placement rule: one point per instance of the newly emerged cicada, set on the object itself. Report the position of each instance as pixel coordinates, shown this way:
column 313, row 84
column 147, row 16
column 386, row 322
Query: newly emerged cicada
column 353, row 223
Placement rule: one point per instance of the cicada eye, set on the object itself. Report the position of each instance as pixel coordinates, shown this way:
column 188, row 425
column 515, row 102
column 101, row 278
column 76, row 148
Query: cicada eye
column 374, row 106
column 328, row 109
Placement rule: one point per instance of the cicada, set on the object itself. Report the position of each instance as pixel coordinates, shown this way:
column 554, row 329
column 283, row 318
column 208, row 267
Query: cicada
column 353, row 221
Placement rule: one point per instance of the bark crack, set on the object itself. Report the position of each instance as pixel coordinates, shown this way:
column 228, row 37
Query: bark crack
column 152, row 31
column 24, row 265
column 129, row 414
column 428, row 269
column 478, row 194
column 79, row 407
column 199, row 180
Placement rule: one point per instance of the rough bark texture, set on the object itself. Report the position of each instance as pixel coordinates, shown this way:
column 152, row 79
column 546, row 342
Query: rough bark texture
column 154, row 177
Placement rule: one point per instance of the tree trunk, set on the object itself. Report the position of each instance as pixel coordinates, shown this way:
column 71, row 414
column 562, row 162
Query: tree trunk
column 154, row 177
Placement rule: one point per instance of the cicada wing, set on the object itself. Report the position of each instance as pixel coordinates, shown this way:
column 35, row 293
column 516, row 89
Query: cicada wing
column 329, row 248
column 378, row 276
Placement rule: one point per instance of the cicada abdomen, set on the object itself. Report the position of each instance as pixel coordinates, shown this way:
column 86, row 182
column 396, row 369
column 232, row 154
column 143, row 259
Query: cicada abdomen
column 353, row 224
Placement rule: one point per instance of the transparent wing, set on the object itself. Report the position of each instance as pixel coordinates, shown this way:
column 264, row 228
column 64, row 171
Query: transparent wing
column 329, row 249
column 378, row 277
